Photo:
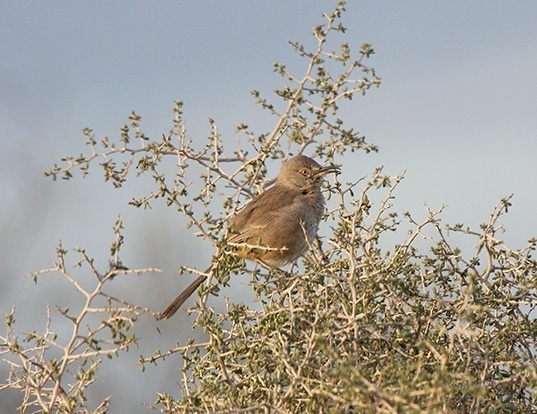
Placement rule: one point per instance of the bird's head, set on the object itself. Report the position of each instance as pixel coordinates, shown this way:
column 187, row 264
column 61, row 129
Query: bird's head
column 303, row 173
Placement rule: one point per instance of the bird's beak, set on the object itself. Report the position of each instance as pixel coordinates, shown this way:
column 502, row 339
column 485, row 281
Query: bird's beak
column 321, row 172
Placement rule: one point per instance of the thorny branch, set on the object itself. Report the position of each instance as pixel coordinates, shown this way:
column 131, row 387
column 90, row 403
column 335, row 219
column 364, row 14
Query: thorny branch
column 372, row 320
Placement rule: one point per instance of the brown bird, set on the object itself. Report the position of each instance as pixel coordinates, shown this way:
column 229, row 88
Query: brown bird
column 276, row 227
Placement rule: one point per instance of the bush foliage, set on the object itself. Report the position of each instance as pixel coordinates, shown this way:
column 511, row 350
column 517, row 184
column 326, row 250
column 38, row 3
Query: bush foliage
column 360, row 324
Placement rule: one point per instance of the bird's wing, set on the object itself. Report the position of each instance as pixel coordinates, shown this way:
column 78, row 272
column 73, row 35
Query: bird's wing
column 259, row 213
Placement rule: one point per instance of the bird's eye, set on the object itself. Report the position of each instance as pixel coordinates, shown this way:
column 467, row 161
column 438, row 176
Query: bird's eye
column 305, row 172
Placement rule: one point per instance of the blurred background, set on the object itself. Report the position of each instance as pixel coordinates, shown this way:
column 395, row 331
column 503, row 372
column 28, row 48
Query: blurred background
column 457, row 109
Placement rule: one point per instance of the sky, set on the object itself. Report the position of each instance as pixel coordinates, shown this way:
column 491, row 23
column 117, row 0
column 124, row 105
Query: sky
column 456, row 110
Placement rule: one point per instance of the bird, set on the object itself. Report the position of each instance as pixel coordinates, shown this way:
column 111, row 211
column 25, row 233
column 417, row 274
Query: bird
column 278, row 226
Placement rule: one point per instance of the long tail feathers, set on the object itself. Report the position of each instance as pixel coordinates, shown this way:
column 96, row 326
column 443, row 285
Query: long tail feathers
column 185, row 294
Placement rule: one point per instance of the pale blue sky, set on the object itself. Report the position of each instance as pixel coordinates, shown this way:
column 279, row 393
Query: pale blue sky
column 457, row 109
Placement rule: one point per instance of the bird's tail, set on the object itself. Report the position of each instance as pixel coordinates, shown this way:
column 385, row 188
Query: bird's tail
column 185, row 294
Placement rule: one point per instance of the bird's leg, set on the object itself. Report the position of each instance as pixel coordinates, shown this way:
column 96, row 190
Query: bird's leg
column 320, row 248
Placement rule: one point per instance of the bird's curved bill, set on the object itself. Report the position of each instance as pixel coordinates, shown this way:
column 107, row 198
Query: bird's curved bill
column 327, row 170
